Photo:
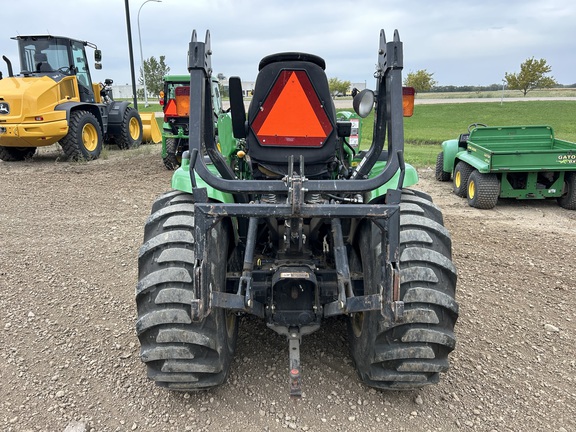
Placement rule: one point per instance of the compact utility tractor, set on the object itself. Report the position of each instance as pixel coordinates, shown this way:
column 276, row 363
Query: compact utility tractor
column 285, row 221
column 53, row 99
column 175, row 102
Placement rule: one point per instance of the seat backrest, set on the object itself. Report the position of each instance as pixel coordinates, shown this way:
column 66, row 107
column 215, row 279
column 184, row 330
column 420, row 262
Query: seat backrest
column 41, row 61
column 292, row 113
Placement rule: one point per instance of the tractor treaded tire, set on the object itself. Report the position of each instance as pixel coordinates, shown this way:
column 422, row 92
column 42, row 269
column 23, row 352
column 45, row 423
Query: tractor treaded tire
column 568, row 199
column 180, row 354
column 462, row 172
column 409, row 354
column 441, row 175
column 483, row 190
column 14, row 154
column 84, row 138
column 130, row 131
column 172, row 161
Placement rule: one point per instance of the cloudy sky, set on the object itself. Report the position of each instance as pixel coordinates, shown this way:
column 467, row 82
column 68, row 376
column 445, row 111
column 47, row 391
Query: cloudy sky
column 465, row 42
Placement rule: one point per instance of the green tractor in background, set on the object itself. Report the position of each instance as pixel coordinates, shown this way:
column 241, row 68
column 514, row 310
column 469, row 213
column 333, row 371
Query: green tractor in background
column 175, row 102
column 281, row 218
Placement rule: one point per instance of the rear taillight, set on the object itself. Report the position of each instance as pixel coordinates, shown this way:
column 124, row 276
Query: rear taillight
column 408, row 101
column 182, row 100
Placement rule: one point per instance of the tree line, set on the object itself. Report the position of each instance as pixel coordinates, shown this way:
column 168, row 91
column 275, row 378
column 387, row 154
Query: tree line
column 533, row 74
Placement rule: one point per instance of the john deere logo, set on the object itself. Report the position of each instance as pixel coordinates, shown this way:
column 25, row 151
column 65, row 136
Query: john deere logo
column 4, row 108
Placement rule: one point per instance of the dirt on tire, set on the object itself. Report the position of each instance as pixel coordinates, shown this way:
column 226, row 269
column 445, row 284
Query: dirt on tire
column 69, row 357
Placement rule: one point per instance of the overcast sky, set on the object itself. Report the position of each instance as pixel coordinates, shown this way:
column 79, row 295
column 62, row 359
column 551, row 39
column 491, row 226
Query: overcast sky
column 466, row 42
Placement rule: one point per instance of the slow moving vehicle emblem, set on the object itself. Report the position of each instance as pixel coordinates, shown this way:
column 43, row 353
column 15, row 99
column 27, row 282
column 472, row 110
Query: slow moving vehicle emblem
column 4, row 108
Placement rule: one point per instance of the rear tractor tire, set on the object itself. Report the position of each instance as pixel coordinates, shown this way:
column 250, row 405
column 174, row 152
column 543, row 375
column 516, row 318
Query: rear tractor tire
column 180, row 354
column 173, row 158
column 462, row 172
column 568, row 198
column 15, row 154
column 441, row 175
column 483, row 190
column 131, row 131
column 412, row 353
column 84, row 138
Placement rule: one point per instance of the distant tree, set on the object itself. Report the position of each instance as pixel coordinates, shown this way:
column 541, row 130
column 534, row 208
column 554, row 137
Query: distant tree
column 532, row 75
column 421, row 80
column 155, row 71
column 338, row 87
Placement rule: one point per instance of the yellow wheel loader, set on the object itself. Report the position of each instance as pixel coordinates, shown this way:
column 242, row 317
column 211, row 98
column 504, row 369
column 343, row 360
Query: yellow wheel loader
column 53, row 99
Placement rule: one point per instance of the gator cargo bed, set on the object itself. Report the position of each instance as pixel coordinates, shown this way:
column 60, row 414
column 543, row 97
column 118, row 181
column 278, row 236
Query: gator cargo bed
column 521, row 148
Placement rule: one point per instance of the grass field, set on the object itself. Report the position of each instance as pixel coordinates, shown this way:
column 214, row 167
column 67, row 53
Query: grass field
column 434, row 123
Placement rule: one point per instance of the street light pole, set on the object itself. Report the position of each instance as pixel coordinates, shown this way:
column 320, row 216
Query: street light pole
column 141, row 55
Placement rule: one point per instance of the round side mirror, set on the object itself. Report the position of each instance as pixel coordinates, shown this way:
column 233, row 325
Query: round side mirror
column 363, row 103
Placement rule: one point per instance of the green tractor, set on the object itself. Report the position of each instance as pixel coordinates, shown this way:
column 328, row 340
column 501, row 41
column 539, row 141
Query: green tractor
column 285, row 221
column 175, row 101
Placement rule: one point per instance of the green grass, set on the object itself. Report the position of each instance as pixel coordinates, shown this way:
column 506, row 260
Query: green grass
column 434, row 123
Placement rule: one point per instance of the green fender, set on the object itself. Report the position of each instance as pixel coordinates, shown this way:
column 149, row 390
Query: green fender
column 410, row 179
column 480, row 165
column 450, row 149
column 181, row 182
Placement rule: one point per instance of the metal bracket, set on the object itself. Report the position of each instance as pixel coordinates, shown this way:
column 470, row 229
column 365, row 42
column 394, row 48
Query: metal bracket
column 295, row 377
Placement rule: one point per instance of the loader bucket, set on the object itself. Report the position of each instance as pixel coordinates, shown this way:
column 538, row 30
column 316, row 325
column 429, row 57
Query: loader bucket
column 150, row 129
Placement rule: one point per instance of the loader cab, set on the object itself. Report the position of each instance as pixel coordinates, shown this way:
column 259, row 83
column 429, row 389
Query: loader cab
column 57, row 57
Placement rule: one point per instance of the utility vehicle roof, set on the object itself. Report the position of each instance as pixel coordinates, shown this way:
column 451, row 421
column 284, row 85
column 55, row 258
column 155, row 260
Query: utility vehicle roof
column 40, row 37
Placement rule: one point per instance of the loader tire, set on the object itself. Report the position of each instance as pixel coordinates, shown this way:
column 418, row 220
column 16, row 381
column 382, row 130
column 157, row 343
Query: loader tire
column 483, row 190
column 15, row 154
column 173, row 158
column 441, row 175
column 130, row 131
column 413, row 352
column 568, row 198
column 84, row 138
column 181, row 354
column 462, row 172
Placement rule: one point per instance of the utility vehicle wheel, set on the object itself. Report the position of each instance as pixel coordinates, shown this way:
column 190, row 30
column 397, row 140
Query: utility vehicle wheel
column 181, row 354
column 441, row 175
column 84, row 138
column 412, row 353
column 461, row 173
column 130, row 131
column 13, row 154
column 483, row 190
column 568, row 198
column 173, row 158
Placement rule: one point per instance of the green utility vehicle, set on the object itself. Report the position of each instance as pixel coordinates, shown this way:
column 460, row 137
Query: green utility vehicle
column 175, row 101
column 522, row 162
column 283, row 220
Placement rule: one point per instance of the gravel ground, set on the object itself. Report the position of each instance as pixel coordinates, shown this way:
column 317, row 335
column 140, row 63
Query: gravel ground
column 69, row 356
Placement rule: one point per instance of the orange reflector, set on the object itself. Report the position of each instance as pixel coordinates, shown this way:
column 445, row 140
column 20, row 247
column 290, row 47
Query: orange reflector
column 182, row 100
column 292, row 114
column 170, row 110
column 408, row 101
